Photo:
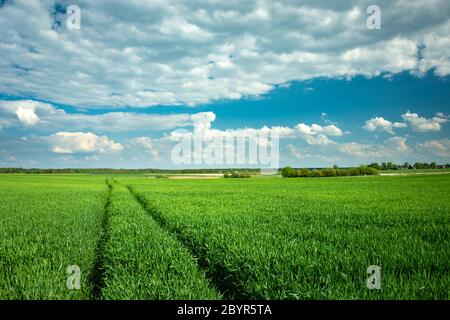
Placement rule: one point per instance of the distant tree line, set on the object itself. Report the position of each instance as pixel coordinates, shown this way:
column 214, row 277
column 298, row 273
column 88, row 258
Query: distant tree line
column 326, row 172
column 122, row 171
column 406, row 165
column 289, row 172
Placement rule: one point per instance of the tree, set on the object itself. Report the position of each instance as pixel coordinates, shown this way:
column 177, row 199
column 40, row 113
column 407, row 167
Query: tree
column 287, row 172
column 375, row 165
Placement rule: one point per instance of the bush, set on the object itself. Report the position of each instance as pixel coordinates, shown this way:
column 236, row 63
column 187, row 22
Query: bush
column 367, row 171
column 315, row 173
column 289, row 172
column 237, row 175
column 286, row 172
column 328, row 172
column 303, row 173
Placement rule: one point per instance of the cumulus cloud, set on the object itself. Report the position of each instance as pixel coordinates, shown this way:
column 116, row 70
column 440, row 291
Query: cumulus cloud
column 147, row 144
column 312, row 134
column 294, row 151
column 381, row 124
column 190, row 52
column 319, row 139
column 330, row 130
column 46, row 117
column 24, row 110
column 202, row 120
column 435, row 43
column 396, row 144
column 81, row 142
column 437, row 147
column 360, row 150
column 416, row 122
column 421, row 124
column 390, row 148
column 27, row 117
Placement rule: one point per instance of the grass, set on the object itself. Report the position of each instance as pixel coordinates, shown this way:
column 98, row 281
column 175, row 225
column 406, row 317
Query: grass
column 143, row 261
column 303, row 239
column 46, row 225
column 253, row 238
column 416, row 170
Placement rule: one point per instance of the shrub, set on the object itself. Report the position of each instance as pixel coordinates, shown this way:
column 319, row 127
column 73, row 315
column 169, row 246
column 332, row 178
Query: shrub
column 286, row 172
column 367, row 171
column 315, row 173
column 328, row 172
column 237, row 175
column 289, row 172
column 303, row 173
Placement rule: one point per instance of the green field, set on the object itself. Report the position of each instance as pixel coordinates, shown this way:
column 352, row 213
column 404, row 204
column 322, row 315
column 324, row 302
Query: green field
column 414, row 171
column 139, row 238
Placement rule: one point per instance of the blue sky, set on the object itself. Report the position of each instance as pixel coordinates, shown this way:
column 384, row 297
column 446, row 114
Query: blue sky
column 112, row 93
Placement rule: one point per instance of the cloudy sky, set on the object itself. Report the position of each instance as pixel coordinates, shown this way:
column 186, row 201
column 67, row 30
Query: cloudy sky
column 112, row 93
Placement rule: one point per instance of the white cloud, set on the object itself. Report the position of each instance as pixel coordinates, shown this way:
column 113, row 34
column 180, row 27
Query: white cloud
column 396, row 144
column 80, row 142
column 381, row 124
column 316, row 134
column 24, row 110
column 359, row 150
column 392, row 56
column 319, row 139
column 324, row 118
column 417, row 123
column 392, row 147
column 421, row 124
column 312, row 134
column 294, row 151
column 435, row 44
column 202, row 120
column 437, row 147
column 92, row 158
column 27, row 117
column 188, row 52
column 330, row 130
column 46, row 117
column 147, row 144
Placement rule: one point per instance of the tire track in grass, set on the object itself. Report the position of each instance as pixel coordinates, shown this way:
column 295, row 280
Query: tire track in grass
column 97, row 276
column 217, row 274
column 144, row 261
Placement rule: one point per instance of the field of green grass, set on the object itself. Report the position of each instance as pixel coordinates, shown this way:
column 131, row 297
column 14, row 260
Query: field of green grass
column 46, row 224
column 415, row 171
column 134, row 237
